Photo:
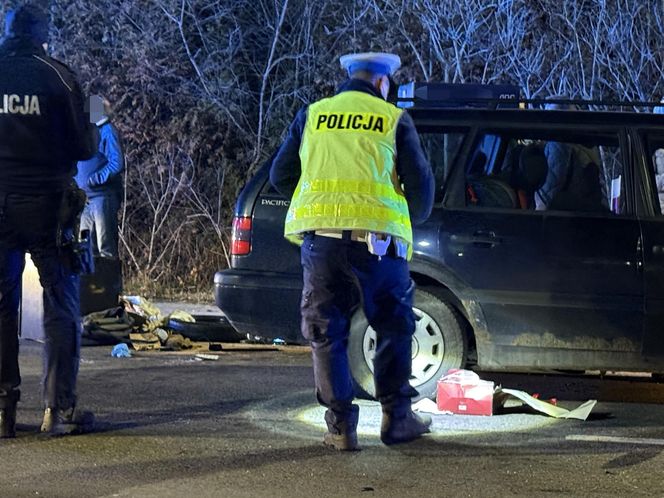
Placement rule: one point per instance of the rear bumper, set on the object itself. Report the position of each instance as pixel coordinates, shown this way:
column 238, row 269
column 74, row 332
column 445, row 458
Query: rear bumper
column 260, row 303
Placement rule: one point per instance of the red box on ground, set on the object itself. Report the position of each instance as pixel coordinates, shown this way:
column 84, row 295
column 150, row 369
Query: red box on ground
column 465, row 395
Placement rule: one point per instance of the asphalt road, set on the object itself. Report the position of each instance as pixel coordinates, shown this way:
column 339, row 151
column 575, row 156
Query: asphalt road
column 247, row 425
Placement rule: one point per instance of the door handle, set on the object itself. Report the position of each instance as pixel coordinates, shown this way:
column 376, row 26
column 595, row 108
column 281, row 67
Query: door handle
column 480, row 239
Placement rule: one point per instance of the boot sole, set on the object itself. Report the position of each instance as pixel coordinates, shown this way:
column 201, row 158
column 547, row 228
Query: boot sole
column 71, row 429
column 340, row 443
column 390, row 440
column 66, row 430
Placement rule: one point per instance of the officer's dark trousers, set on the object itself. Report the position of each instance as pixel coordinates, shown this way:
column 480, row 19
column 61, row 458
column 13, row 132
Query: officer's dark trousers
column 28, row 223
column 338, row 276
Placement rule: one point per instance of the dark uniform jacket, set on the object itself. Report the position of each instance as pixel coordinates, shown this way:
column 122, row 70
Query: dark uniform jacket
column 411, row 165
column 44, row 130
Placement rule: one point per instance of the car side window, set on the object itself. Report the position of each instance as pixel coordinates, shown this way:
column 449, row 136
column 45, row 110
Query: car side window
column 441, row 148
column 542, row 170
column 264, row 171
column 656, row 163
column 268, row 189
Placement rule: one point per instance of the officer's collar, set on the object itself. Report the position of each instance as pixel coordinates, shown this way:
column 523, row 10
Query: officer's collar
column 359, row 86
column 17, row 45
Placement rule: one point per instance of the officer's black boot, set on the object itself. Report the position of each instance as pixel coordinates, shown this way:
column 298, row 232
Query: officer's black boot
column 401, row 426
column 70, row 421
column 8, row 421
column 342, row 429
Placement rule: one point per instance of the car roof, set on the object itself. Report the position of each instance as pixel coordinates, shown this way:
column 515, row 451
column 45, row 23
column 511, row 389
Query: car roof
column 464, row 116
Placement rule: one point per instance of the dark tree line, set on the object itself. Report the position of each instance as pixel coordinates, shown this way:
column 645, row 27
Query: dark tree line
column 203, row 89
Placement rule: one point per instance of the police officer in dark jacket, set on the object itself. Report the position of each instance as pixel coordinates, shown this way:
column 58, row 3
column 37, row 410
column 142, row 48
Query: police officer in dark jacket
column 43, row 132
column 355, row 172
column 101, row 179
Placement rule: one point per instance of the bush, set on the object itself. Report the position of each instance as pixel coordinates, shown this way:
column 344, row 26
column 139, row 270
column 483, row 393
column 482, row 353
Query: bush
column 203, row 90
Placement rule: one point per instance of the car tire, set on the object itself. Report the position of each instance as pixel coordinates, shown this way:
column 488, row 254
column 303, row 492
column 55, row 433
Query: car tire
column 439, row 343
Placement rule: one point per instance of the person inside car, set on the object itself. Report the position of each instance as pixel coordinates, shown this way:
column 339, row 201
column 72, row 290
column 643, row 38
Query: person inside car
column 572, row 181
column 659, row 166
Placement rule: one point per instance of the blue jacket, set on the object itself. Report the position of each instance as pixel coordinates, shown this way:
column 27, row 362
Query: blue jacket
column 412, row 166
column 44, row 130
column 102, row 174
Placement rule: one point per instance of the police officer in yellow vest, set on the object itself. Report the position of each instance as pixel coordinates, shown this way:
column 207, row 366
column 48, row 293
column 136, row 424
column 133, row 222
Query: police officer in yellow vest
column 357, row 176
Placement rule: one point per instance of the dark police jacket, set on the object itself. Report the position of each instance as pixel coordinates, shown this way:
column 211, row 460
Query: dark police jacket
column 102, row 174
column 44, row 130
column 411, row 165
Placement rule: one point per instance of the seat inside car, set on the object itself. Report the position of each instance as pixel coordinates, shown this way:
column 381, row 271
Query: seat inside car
column 484, row 190
column 531, row 174
column 490, row 191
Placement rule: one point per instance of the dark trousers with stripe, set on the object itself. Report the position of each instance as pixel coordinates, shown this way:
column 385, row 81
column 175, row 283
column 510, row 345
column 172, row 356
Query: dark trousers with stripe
column 28, row 224
column 340, row 275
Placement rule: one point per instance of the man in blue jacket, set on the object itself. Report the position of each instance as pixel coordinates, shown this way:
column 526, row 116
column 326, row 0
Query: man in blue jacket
column 43, row 133
column 101, row 179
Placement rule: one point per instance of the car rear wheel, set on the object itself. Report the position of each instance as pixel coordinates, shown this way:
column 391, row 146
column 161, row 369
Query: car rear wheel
column 438, row 345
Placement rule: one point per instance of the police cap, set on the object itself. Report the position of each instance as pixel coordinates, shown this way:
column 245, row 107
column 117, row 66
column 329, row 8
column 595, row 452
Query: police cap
column 374, row 62
column 660, row 108
column 27, row 21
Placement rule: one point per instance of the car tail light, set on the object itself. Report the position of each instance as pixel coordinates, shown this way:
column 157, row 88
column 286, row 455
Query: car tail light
column 241, row 236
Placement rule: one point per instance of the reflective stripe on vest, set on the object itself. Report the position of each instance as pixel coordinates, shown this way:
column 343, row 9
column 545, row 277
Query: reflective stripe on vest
column 348, row 179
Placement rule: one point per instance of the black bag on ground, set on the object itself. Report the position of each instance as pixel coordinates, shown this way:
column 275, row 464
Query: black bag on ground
column 101, row 289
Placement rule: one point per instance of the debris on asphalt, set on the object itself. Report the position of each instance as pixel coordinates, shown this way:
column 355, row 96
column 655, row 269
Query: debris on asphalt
column 111, row 325
column 142, row 307
column 121, row 351
column 463, row 392
column 144, row 341
column 206, row 357
column 581, row 412
column 177, row 342
column 162, row 334
column 552, row 410
column 140, row 324
column 182, row 316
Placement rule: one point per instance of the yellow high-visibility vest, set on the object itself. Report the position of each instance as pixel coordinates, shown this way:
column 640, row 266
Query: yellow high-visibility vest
column 348, row 179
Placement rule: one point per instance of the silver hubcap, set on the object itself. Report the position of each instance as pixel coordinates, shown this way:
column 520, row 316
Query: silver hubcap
column 427, row 349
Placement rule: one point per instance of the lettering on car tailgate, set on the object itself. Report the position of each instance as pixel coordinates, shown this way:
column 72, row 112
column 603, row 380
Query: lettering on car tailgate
column 275, row 202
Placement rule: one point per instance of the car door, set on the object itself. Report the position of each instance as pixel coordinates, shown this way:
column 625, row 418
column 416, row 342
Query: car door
column 558, row 288
column 650, row 145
